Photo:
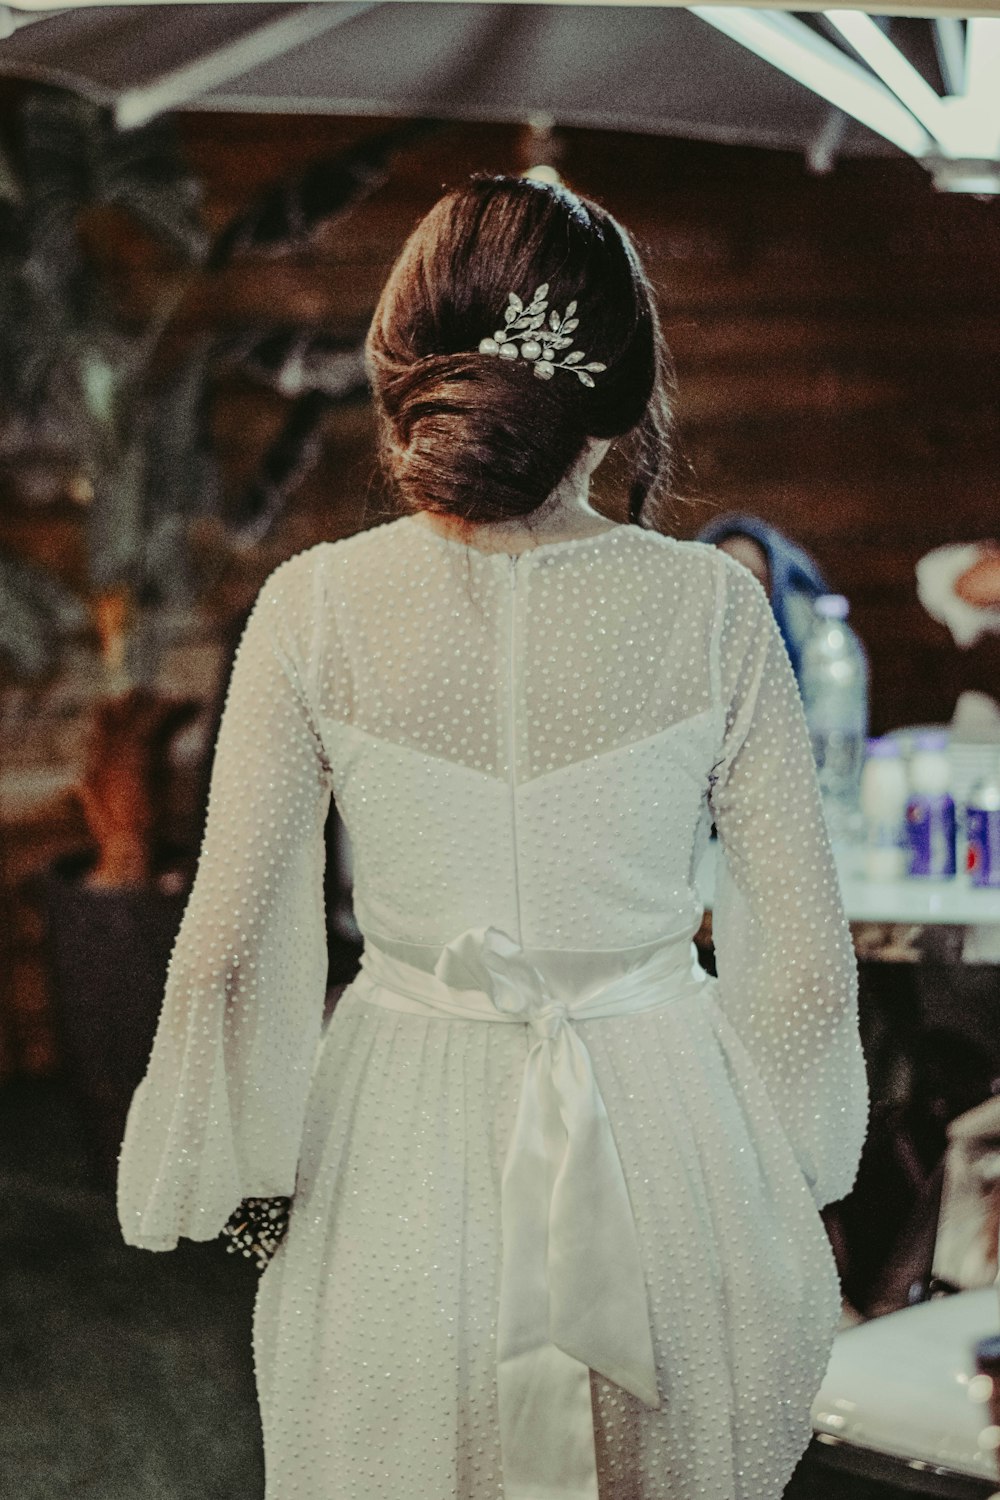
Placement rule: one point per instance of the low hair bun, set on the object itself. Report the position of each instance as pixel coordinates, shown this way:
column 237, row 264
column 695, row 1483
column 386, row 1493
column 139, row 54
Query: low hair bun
column 472, row 435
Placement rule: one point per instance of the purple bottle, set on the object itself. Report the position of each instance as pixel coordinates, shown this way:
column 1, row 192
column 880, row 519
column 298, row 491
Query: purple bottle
column 982, row 821
column 930, row 812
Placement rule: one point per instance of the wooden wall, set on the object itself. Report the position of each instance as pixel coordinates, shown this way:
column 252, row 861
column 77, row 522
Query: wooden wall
column 837, row 341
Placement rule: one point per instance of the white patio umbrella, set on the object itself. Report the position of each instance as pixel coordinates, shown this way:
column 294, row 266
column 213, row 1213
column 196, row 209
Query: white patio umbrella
column 828, row 83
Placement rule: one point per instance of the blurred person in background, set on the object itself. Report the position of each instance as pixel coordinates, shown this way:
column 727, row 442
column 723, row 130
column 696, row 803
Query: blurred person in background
column 959, row 586
column 788, row 575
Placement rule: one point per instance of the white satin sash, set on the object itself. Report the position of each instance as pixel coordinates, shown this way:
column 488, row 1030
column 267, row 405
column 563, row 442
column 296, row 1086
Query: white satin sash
column 572, row 1291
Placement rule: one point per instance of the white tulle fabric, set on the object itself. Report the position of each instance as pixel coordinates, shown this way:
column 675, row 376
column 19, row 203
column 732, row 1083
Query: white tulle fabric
column 576, row 1254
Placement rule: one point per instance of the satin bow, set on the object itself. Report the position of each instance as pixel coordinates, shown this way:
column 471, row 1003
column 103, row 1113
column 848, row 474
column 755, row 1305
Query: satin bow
column 573, row 1295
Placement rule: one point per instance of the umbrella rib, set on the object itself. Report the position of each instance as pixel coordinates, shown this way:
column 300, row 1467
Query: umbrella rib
column 794, row 48
column 233, row 58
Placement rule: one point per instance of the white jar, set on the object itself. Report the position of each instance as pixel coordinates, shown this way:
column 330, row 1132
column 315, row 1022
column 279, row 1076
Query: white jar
column 884, row 795
column 930, row 768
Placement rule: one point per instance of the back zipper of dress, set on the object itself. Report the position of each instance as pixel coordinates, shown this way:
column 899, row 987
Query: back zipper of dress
column 511, row 739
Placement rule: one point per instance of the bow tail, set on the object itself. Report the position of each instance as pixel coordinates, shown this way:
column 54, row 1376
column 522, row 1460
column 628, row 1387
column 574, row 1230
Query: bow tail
column 546, row 1418
column 598, row 1306
column 546, row 1426
column 572, row 1295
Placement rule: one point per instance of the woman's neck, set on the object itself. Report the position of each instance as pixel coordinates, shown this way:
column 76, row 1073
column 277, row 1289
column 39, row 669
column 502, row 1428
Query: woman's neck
column 567, row 513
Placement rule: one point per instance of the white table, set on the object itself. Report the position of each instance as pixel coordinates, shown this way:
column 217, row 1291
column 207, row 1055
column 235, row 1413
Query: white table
column 890, row 919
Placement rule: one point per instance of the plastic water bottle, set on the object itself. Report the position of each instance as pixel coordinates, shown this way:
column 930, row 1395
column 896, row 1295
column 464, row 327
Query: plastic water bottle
column 884, row 795
column 833, row 680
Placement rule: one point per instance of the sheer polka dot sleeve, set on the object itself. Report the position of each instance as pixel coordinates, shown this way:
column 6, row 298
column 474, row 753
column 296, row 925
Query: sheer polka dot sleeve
column 786, row 966
column 218, row 1115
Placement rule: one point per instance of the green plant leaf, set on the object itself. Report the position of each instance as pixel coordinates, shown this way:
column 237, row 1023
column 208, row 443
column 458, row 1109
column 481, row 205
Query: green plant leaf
column 11, row 190
column 287, row 459
column 59, row 141
column 286, row 215
column 182, row 473
column 115, row 521
column 143, row 172
column 37, row 612
column 294, row 361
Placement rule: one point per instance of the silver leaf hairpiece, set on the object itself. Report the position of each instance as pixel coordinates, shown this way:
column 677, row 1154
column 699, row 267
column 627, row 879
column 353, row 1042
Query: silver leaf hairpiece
column 542, row 334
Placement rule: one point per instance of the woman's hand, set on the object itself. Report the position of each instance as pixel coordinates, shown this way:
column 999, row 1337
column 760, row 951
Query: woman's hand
column 257, row 1227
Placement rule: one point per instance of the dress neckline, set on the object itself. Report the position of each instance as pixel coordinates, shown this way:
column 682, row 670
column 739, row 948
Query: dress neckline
column 564, row 544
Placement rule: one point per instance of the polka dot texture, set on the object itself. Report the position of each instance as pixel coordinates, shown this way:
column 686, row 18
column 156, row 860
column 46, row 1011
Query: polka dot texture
column 540, row 744
column 222, row 1102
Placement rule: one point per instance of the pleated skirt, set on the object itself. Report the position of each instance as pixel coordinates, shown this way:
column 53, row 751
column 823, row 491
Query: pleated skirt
column 375, row 1322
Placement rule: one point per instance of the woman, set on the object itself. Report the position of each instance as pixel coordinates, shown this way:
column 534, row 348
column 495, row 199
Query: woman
column 578, row 1252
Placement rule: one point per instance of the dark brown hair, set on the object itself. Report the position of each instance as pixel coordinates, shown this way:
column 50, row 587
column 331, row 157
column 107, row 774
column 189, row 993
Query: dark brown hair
column 481, row 438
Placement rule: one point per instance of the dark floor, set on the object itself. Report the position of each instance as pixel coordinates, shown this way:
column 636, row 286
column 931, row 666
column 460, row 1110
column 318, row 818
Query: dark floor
column 128, row 1375
column 124, row 1375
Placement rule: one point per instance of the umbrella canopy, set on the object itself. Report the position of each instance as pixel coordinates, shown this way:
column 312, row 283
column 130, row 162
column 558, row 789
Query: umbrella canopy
column 735, row 75
column 659, row 70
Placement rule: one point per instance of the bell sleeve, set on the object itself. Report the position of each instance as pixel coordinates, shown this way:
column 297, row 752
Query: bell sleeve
column 218, row 1115
column 785, row 960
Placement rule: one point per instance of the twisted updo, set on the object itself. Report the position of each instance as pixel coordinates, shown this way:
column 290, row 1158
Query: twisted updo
column 481, row 438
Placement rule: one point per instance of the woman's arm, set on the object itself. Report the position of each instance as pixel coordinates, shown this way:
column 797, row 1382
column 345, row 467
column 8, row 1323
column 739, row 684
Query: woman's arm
column 786, row 966
column 218, row 1116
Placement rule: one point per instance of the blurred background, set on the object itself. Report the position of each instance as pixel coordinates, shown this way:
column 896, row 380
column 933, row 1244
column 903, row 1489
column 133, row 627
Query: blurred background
column 198, row 208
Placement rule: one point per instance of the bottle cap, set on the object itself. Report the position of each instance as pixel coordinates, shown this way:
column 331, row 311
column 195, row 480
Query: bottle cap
column 832, row 606
column 931, row 739
column 882, row 748
column 988, row 1350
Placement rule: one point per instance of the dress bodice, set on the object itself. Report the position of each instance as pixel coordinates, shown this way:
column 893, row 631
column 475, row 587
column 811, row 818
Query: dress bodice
column 520, row 739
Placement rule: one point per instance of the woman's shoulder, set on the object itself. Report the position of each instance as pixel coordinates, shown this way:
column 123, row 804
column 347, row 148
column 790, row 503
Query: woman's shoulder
column 694, row 555
column 725, row 574
column 697, row 564
column 693, row 567
column 711, row 588
column 313, row 566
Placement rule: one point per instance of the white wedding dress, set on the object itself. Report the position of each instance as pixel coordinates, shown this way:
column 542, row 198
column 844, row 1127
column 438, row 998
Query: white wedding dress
column 578, row 1253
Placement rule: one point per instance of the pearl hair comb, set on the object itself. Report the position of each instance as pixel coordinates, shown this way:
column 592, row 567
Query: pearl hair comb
column 541, row 334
